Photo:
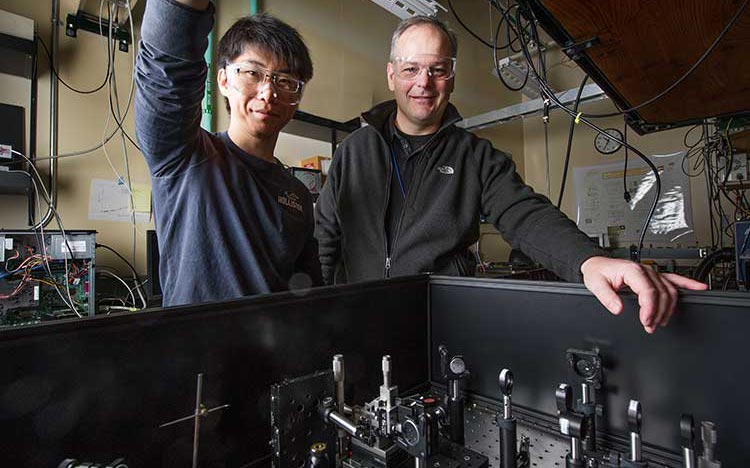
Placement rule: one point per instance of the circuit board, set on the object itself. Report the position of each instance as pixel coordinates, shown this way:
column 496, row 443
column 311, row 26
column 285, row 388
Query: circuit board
column 45, row 277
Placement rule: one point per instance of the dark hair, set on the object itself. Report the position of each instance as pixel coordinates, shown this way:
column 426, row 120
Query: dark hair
column 271, row 35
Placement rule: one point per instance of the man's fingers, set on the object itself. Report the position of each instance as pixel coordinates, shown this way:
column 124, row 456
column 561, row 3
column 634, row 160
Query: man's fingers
column 657, row 294
column 685, row 283
column 673, row 293
column 648, row 298
column 665, row 299
column 603, row 290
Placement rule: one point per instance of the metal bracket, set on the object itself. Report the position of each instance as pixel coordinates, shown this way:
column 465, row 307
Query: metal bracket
column 96, row 25
column 574, row 49
column 591, row 92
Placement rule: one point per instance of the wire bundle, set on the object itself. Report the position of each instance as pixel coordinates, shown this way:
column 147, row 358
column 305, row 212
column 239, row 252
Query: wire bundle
column 115, row 113
column 522, row 23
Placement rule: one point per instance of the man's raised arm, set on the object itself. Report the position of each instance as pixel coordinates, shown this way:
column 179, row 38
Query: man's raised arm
column 170, row 79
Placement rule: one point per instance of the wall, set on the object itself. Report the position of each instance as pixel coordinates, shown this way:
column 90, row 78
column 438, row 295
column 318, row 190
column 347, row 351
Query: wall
column 349, row 41
column 568, row 76
column 81, row 125
column 350, row 74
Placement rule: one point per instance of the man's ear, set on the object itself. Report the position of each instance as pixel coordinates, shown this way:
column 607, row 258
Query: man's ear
column 389, row 74
column 221, row 79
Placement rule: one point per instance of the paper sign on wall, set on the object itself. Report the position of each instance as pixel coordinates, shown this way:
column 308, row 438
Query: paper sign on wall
column 602, row 209
column 110, row 200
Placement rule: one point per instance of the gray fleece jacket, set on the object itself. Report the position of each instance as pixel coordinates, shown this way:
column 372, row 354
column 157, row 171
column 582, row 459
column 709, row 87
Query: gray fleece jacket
column 458, row 177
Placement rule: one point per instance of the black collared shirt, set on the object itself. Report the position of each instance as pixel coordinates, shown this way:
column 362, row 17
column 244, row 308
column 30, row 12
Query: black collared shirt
column 405, row 148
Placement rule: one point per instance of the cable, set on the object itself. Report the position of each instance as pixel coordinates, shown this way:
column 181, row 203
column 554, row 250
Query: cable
column 700, row 60
column 505, row 18
column 549, row 95
column 70, row 87
column 113, row 275
column 730, row 157
column 39, row 40
column 625, row 191
column 571, row 129
column 684, row 139
column 116, row 113
column 40, row 234
column 113, row 83
column 497, row 65
column 716, row 237
column 108, row 138
column 458, row 18
column 132, row 270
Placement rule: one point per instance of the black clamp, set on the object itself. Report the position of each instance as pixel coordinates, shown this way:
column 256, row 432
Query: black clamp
column 506, row 422
column 587, row 365
column 575, row 50
column 635, row 421
column 572, row 424
column 454, row 372
column 687, row 434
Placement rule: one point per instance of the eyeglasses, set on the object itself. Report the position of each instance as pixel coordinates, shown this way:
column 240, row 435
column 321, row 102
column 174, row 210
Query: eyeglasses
column 249, row 78
column 410, row 68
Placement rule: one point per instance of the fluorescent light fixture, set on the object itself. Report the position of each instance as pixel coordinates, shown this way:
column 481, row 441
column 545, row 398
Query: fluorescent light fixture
column 408, row 8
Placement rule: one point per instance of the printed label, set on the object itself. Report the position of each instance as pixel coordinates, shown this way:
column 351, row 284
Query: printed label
column 75, row 246
column 290, row 199
column 447, row 170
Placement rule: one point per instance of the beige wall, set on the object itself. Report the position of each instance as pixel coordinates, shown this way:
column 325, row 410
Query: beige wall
column 349, row 42
column 81, row 124
column 568, row 76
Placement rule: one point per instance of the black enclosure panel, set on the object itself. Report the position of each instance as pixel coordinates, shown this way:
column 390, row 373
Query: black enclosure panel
column 98, row 388
column 700, row 364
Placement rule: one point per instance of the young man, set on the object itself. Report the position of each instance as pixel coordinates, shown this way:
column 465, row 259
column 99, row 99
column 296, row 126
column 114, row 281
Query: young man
column 230, row 220
column 404, row 194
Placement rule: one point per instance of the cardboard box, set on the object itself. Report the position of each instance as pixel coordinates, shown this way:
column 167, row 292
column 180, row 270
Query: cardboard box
column 320, row 163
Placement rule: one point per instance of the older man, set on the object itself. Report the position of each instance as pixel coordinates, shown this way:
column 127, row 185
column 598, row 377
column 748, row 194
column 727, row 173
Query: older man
column 405, row 193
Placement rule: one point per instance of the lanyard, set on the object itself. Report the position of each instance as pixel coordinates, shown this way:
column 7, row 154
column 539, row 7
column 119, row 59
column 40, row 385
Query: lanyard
column 398, row 173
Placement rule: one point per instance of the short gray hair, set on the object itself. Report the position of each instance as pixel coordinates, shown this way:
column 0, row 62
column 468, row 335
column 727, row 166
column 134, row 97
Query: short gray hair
column 428, row 20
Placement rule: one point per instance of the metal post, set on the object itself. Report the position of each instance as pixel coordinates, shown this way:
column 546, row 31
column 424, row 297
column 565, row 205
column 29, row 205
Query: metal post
column 53, row 111
column 197, row 427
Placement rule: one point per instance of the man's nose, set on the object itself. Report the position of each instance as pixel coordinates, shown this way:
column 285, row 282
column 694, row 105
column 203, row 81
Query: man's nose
column 266, row 90
column 423, row 77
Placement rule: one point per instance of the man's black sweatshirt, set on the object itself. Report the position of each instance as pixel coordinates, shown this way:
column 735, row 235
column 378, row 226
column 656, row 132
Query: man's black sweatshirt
column 457, row 178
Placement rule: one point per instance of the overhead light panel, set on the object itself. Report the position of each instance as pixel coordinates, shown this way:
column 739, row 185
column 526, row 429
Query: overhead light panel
column 516, row 74
column 515, row 71
column 408, row 8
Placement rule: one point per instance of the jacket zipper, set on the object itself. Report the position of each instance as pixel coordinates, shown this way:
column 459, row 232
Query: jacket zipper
column 387, row 269
column 388, row 254
column 409, row 190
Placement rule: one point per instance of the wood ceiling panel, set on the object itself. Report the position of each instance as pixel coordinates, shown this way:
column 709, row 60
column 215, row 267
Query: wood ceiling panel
column 645, row 45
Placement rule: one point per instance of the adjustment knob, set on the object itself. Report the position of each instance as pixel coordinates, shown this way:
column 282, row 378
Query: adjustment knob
column 635, row 416
column 506, row 381
column 687, row 430
column 457, row 365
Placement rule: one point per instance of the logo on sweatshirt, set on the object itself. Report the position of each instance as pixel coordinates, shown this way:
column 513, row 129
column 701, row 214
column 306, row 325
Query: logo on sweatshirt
column 445, row 170
column 291, row 200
